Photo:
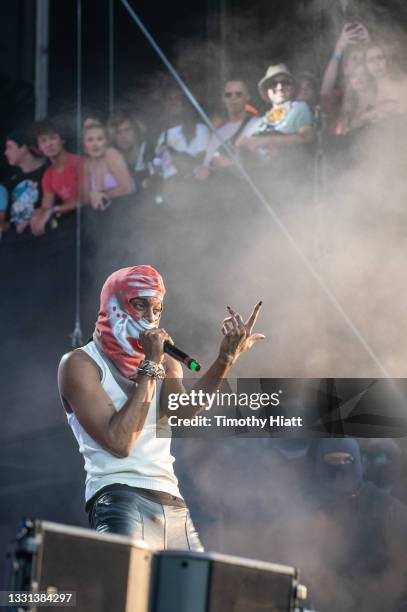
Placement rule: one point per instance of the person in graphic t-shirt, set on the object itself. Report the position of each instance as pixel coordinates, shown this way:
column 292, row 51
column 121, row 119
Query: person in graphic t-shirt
column 60, row 183
column 288, row 123
column 4, row 224
column 24, row 184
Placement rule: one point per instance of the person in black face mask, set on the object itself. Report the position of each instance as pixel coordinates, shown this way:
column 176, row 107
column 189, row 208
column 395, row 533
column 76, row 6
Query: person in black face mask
column 382, row 462
column 339, row 469
column 360, row 542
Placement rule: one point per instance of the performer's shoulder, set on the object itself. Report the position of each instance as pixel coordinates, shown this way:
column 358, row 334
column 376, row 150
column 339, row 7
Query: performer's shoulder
column 78, row 378
column 74, row 362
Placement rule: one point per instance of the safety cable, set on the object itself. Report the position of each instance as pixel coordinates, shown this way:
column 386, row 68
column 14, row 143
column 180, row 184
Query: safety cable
column 76, row 335
column 111, row 57
column 331, row 297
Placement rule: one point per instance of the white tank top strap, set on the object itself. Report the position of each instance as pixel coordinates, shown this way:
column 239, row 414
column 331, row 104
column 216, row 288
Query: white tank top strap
column 150, row 464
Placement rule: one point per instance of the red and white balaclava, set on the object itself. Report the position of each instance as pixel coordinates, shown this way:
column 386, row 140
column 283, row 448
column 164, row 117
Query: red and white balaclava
column 119, row 325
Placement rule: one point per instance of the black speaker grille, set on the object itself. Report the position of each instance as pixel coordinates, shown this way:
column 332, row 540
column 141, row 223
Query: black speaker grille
column 246, row 589
column 96, row 570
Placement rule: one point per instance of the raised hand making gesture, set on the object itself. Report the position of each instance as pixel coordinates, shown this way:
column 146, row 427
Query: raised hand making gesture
column 238, row 336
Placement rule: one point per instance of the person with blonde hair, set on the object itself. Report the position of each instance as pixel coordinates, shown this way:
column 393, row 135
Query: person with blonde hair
column 358, row 106
column 391, row 85
column 347, row 55
column 106, row 174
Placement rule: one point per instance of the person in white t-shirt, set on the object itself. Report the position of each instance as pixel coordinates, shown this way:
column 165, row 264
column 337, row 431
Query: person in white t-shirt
column 235, row 97
column 182, row 144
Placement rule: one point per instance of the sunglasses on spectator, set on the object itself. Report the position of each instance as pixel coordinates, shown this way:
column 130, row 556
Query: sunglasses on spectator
column 236, row 94
column 283, row 82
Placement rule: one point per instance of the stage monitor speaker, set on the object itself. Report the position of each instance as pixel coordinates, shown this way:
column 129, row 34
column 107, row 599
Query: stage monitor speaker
column 108, row 573
column 200, row 582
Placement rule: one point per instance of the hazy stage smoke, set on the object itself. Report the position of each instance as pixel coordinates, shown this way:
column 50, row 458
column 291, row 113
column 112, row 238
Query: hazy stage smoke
column 350, row 234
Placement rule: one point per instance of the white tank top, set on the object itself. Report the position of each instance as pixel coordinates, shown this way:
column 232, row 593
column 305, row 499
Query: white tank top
column 150, row 464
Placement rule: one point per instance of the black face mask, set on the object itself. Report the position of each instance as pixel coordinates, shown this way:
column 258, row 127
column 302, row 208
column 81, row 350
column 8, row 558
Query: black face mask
column 381, row 468
column 338, row 480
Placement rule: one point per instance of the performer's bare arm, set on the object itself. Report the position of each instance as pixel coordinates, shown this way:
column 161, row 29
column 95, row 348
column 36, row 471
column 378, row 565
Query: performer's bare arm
column 238, row 338
column 81, row 392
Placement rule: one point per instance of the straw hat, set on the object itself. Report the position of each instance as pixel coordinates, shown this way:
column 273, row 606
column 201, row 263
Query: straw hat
column 272, row 71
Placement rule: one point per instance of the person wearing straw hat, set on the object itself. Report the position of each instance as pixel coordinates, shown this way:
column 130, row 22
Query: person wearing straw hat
column 287, row 123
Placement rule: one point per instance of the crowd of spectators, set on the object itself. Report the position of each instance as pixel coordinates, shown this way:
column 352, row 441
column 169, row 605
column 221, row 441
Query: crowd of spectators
column 45, row 181
column 360, row 85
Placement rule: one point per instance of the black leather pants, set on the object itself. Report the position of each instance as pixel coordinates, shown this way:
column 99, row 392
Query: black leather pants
column 129, row 513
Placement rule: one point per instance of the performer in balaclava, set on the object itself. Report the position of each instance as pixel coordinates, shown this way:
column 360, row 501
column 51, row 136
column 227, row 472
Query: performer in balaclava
column 382, row 463
column 113, row 389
